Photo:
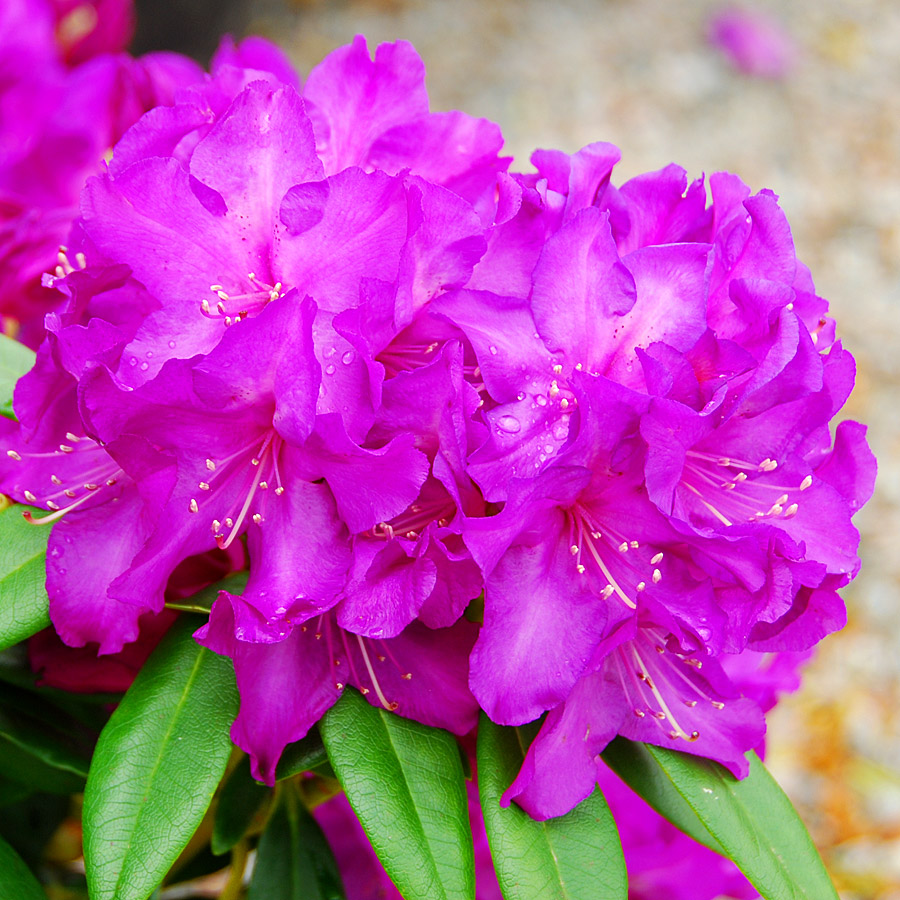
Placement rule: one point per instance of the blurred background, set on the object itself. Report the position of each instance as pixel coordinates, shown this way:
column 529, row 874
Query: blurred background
column 815, row 116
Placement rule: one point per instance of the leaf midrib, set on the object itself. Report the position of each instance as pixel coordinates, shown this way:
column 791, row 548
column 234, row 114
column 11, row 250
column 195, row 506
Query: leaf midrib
column 157, row 764
column 784, row 872
column 544, row 827
column 432, row 862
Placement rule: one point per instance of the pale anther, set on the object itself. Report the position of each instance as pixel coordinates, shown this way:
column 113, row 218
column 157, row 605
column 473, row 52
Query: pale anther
column 257, row 519
column 574, row 549
column 13, row 455
column 656, row 560
column 806, row 483
column 203, row 486
column 623, row 547
column 563, row 404
column 210, row 465
column 30, row 497
column 641, row 585
column 193, row 506
column 657, row 576
column 279, row 490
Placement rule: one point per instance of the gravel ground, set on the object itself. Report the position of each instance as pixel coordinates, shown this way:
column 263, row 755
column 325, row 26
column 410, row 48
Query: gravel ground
column 827, row 140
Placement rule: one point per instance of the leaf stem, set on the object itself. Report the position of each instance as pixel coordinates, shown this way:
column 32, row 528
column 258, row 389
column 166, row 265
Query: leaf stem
column 232, row 889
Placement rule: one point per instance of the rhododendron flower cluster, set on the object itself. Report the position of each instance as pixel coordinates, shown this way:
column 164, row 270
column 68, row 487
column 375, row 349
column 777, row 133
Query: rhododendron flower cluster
column 529, row 443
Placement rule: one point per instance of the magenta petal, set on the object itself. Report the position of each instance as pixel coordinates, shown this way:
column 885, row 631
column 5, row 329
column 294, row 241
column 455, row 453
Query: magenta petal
column 386, row 589
column 560, row 768
column 254, row 153
column 369, row 486
column 580, row 287
column 79, row 573
column 355, row 100
column 285, row 687
column 540, row 628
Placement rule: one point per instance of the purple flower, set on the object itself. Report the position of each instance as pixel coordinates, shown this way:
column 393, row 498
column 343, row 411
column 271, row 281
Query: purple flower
column 56, row 125
column 246, row 336
column 626, row 563
column 753, row 42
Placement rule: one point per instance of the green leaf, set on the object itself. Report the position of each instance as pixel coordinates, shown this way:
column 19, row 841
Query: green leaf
column 644, row 776
column 293, row 860
column 306, row 755
column 577, row 856
column 156, row 766
column 16, row 880
column 405, row 783
column 239, row 801
column 752, row 820
column 15, row 360
column 23, row 598
column 40, row 745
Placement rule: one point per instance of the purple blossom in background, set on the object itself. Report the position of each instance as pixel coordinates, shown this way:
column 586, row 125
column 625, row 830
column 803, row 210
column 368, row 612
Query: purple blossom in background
column 753, row 42
column 67, row 94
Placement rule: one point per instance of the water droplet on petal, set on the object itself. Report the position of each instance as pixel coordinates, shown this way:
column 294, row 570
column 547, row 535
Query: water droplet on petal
column 493, row 350
column 328, row 352
column 561, row 430
column 171, row 345
column 329, row 369
column 509, row 424
column 348, row 357
column 144, row 366
column 520, row 395
column 541, row 400
column 132, row 361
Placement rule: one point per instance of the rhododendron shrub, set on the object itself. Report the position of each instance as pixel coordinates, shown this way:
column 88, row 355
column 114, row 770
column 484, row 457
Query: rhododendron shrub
column 428, row 469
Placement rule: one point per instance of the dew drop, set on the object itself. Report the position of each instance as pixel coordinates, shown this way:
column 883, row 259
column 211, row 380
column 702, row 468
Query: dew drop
column 328, row 352
column 561, row 430
column 144, row 366
column 548, row 449
column 704, row 633
column 55, row 552
column 132, row 361
column 493, row 350
column 508, row 424
column 329, row 369
column 149, row 354
column 348, row 357
column 541, row 400
column 520, row 395
column 171, row 345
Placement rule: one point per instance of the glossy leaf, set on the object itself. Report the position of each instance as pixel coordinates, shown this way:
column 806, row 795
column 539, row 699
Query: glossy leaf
column 405, row 783
column 156, row 766
column 577, row 856
column 15, row 360
column 752, row 820
column 23, row 598
column 305, row 755
column 16, row 880
column 646, row 778
column 239, row 801
column 293, row 860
